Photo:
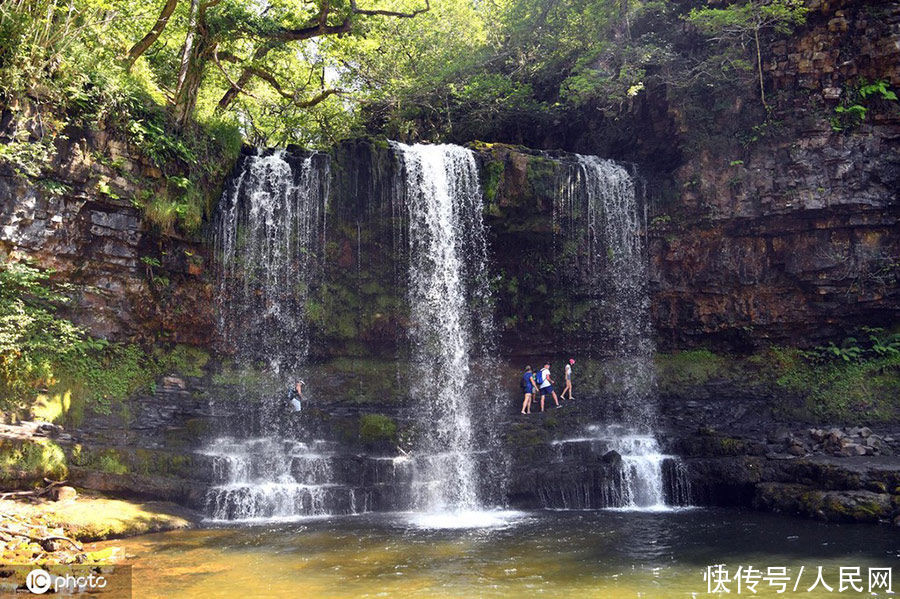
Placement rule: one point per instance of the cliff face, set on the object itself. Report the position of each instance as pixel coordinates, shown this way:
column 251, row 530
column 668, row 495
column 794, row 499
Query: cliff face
column 80, row 218
column 793, row 235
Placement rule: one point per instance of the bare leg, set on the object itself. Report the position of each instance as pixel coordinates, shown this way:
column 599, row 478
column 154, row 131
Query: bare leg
column 555, row 399
column 527, row 403
column 542, row 402
column 568, row 388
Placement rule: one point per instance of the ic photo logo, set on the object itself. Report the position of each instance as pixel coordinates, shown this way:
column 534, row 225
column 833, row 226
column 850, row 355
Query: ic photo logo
column 38, row 581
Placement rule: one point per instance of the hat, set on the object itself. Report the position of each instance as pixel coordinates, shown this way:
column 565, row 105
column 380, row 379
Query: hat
column 571, row 360
column 527, row 368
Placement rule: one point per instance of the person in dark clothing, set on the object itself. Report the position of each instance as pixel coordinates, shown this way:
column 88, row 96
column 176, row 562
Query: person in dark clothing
column 528, row 387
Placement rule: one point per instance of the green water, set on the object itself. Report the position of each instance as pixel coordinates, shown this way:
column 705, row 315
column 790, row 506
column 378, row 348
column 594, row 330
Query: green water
column 603, row 554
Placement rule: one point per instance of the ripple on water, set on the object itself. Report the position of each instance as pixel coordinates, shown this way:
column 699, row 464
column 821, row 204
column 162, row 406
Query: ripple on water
column 466, row 519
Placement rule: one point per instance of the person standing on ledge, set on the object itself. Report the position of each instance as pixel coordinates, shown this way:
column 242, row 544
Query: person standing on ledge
column 296, row 396
column 568, row 380
column 529, row 386
column 546, row 383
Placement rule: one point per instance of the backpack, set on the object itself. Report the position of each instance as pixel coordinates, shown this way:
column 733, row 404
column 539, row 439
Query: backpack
column 539, row 377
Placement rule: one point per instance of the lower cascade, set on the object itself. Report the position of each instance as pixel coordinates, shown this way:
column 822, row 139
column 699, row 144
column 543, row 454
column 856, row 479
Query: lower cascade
column 639, row 476
column 270, row 479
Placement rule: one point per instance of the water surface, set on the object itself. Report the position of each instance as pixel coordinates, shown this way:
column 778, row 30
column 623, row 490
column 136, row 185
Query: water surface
column 602, row 554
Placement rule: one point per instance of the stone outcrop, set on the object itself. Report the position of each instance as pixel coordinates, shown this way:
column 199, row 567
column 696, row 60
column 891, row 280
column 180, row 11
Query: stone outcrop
column 793, row 236
column 81, row 218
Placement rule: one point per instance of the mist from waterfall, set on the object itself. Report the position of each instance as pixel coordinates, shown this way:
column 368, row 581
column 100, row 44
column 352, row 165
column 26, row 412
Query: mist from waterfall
column 598, row 206
column 451, row 315
column 269, row 239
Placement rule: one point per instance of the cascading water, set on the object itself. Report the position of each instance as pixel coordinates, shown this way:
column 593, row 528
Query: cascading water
column 644, row 478
column 277, row 479
column 269, row 238
column 451, row 316
column 598, row 202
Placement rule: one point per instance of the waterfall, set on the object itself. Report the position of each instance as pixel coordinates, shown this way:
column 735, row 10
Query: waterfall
column 270, row 234
column 267, row 479
column 269, row 238
column 642, row 476
column 598, row 203
column 451, row 316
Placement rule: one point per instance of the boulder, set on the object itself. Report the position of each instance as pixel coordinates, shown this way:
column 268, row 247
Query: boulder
column 63, row 493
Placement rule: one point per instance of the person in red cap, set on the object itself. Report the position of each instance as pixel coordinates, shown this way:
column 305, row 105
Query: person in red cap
column 568, row 380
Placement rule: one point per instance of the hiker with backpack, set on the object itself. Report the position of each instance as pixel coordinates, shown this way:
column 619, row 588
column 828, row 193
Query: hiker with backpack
column 545, row 383
column 529, row 386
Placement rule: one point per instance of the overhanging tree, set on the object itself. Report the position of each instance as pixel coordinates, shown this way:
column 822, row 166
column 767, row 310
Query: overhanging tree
column 738, row 24
column 227, row 32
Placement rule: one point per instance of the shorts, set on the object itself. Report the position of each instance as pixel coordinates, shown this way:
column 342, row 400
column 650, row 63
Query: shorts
column 548, row 390
column 529, row 389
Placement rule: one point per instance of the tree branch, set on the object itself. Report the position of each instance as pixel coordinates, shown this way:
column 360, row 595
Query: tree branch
column 231, row 58
column 139, row 48
column 271, row 80
column 389, row 13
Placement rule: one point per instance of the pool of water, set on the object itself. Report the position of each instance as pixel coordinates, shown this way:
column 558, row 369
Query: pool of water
column 603, row 554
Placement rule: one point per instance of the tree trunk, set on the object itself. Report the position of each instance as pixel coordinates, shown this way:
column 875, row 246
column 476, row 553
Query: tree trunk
column 192, row 62
column 186, row 99
column 759, row 68
column 139, row 48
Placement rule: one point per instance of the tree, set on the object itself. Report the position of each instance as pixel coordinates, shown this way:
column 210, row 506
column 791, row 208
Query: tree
column 737, row 24
column 223, row 32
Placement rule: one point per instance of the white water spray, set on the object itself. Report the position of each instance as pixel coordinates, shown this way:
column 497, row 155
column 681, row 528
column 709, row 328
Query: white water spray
column 451, row 324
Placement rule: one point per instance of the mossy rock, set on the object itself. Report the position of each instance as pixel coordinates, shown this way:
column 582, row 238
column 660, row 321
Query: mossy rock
column 377, row 430
column 25, row 462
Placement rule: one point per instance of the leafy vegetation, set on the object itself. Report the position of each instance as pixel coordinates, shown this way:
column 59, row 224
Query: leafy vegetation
column 853, row 110
column 49, row 364
column 734, row 26
column 840, row 384
column 376, row 429
column 313, row 72
column 857, row 381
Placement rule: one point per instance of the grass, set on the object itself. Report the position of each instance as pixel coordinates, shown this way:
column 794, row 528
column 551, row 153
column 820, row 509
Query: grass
column 31, row 461
column 854, row 392
column 692, row 367
column 804, row 385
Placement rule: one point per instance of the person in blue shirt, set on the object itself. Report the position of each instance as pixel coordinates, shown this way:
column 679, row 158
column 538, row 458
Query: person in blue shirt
column 528, row 386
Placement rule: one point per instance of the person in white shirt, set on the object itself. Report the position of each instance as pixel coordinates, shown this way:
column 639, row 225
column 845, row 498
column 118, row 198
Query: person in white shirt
column 546, row 384
column 568, row 380
column 297, row 396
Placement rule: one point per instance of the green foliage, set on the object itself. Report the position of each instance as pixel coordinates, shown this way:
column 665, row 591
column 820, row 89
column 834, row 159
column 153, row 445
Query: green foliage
column 857, row 103
column 742, row 19
column 60, row 68
column 103, row 460
column 854, row 383
column 839, row 388
column 736, row 25
column 31, row 460
column 682, row 369
column 377, row 429
column 49, row 360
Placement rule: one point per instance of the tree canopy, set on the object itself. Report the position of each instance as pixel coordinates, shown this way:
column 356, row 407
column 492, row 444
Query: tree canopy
column 314, row 71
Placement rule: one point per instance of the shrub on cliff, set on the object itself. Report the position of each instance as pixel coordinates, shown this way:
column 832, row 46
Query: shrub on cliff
column 49, row 363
